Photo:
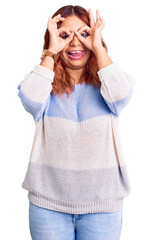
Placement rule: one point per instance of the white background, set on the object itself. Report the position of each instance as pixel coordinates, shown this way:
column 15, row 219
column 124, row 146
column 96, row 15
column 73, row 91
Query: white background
column 128, row 37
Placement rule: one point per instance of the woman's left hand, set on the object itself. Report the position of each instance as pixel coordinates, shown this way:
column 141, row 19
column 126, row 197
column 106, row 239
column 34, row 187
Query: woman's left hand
column 93, row 40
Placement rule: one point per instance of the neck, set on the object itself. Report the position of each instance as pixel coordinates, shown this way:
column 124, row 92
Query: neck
column 75, row 75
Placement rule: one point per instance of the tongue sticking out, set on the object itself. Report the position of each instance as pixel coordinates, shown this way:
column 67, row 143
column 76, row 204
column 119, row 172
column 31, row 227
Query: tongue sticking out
column 76, row 54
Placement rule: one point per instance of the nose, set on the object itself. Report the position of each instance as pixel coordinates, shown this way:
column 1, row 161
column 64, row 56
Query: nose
column 75, row 41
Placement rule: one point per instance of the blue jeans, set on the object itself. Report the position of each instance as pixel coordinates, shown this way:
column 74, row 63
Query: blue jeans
column 48, row 224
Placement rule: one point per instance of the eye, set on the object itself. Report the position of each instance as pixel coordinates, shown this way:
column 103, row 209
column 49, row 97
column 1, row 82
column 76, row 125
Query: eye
column 64, row 36
column 86, row 34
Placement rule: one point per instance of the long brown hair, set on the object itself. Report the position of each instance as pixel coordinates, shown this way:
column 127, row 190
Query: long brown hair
column 61, row 83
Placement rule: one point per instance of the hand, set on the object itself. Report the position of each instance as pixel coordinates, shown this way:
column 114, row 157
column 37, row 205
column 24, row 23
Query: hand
column 57, row 43
column 93, row 40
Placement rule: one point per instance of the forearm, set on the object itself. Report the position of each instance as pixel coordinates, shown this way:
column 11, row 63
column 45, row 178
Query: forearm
column 48, row 62
column 103, row 59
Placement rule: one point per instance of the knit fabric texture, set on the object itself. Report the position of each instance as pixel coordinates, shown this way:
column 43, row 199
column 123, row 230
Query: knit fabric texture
column 77, row 163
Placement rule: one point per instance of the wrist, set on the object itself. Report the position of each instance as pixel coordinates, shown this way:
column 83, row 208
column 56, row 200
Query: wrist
column 98, row 50
column 49, row 58
column 52, row 50
column 50, row 53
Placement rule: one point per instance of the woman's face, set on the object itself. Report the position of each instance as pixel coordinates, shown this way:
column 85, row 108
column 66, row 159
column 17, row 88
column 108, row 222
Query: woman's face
column 75, row 61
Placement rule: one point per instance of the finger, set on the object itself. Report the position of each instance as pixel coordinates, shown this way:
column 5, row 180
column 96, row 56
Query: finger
column 59, row 15
column 85, row 28
column 102, row 21
column 82, row 39
column 99, row 19
column 50, row 18
column 52, row 21
column 57, row 19
column 68, row 39
column 92, row 22
column 97, row 14
column 63, row 29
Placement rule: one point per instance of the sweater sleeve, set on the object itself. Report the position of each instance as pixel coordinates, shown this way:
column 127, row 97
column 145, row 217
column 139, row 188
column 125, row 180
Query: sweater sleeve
column 34, row 90
column 116, row 87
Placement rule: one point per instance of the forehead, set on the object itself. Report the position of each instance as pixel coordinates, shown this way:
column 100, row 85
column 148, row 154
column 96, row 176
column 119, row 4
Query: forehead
column 72, row 23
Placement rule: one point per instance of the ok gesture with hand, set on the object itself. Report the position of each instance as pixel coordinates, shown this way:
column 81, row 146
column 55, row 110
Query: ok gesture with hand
column 93, row 40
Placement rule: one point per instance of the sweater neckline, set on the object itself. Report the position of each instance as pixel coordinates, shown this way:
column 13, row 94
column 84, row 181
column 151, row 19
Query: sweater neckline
column 80, row 84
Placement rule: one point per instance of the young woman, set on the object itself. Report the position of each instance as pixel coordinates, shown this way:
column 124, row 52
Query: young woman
column 77, row 177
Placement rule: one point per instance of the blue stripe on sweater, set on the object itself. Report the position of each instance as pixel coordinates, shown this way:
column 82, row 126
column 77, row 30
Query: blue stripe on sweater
column 84, row 103
column 35, row 108
column 117, row 106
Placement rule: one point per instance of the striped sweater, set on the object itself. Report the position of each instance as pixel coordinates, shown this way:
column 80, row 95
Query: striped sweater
column 76, row 163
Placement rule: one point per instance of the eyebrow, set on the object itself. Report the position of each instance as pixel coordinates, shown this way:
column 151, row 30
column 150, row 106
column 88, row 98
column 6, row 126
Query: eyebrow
column 79, row 27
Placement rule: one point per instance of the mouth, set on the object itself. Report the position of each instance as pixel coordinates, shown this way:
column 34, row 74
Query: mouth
column 76, row 54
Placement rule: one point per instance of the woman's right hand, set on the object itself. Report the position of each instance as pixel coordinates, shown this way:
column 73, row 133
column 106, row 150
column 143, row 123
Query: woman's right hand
column 57, row 43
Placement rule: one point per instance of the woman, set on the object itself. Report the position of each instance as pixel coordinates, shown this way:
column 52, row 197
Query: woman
column 76, row 177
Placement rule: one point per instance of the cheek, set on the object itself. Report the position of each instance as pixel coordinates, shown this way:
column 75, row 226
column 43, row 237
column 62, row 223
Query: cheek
column 63, row 56
column 63, row 52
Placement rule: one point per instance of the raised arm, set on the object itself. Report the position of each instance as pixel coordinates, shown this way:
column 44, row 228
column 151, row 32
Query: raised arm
column 116, row 85
column 34, row 90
